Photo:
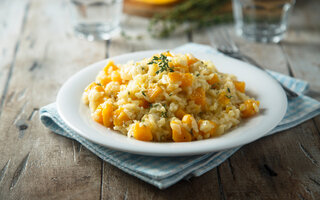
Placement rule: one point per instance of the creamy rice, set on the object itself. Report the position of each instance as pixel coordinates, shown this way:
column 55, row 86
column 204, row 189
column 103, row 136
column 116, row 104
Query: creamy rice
column 168, row 97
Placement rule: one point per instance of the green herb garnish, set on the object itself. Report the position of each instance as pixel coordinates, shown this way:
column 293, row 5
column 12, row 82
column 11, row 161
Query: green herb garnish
column 162, row 62
column 154, row 105
column 229, row 90
column 143, row 93
column 229, row 97
column 164, row 114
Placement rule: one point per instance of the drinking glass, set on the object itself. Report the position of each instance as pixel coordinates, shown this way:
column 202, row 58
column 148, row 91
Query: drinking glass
column 96, row 19
column 262, row 20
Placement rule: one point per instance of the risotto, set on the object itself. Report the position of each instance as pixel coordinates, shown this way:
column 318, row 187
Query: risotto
column 168, row 97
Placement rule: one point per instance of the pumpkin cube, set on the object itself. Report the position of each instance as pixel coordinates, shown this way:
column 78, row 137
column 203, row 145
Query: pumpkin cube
column 120, row 117
column 179, row 133
column 142, row 132
column 240, row 86
column 224, row 99
column 207, row 127
column 249, row 108
column 154, row 92
column 97, row 115
column 213, row 80
column 199, row 96
column 180, row 113
column 116, row 77
column 107, row 115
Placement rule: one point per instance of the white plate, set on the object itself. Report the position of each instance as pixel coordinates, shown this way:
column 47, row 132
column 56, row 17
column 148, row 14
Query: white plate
column 273, row 105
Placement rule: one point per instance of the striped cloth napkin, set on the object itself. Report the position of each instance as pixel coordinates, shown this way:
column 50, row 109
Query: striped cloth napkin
column 163, row 172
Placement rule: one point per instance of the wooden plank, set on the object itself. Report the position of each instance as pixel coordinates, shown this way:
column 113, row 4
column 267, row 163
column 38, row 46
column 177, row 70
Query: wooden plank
column 282, row 166
column 12, row 20
column 242, row 187
column 305, row 16
column 271, row 57
column 303, row 44
column 302, row 49
column 264, row 54
column 119, row 185
column 305, row 63
column 43, row 165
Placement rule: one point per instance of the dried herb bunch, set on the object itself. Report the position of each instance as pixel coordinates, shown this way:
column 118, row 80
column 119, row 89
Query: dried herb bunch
column 195, row 13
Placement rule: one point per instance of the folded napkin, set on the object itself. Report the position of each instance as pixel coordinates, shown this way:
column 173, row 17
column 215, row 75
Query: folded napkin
column 163, row 172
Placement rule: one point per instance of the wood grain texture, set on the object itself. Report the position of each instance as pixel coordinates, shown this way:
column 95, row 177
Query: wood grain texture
column 119, row 185
column 281, row 166
column 12, row 22
column 38, row 53
column 44, row 165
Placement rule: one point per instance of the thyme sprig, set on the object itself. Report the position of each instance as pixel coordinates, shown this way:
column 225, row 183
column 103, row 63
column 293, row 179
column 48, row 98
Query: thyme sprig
column 144, row 93
column 164, row 114
column 162, row 62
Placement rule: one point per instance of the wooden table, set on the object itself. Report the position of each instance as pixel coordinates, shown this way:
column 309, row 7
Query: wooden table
column 38, row 52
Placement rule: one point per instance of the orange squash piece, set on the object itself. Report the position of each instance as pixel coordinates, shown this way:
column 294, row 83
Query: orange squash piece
column 95, row 86
column 223, row 98
column 107, row 113
column 175, row 77
column 180, row 113
column 185, row 79
column 189, row 121
column 110, row 67
column 116, row 77
column 154, row 92
column 181, row 68
column 105, row 80
column 212, row 131
column 97, row 115
column 199, row 96
column 191, row 60
column 167, row 53
column 240, row 86
column 90, row 86
column 179, row 133
column 120, row 117
column 99, row 88
column 144, row 103
column 249, row 110
column 142, row 132
column 213, row 80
